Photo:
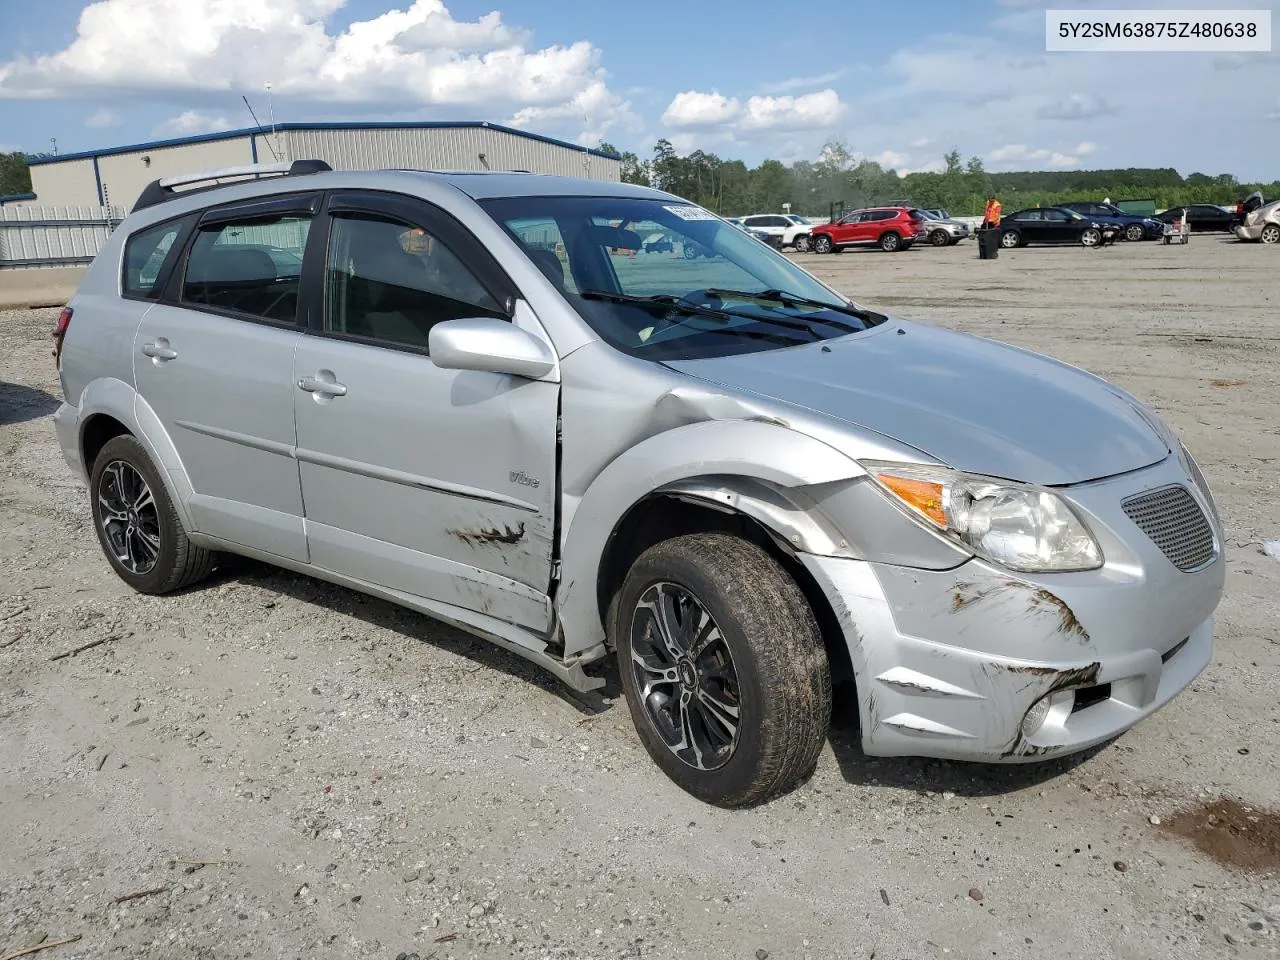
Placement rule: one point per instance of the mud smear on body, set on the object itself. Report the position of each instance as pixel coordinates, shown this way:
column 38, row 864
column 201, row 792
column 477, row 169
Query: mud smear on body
column 1233, row 834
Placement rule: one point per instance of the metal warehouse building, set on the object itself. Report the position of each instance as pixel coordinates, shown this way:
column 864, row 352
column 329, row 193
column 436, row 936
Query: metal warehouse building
column 115, row 176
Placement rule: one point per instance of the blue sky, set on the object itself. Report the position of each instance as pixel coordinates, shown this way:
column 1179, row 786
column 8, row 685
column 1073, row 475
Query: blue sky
column 898, row 82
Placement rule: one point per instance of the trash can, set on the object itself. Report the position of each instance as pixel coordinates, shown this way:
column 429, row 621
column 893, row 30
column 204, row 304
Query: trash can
column 988, row 243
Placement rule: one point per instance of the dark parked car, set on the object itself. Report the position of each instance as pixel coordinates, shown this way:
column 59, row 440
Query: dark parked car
column 1053, row 225
column 1204, row 218
column 1132, row 226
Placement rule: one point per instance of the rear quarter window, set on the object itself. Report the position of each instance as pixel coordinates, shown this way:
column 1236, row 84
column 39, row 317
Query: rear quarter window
column 145, row 254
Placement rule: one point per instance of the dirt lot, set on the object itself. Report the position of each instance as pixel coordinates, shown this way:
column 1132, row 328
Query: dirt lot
column 357, row 781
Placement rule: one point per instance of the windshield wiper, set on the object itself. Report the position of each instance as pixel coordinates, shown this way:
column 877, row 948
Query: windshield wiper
column 782, row 296
column 662, row 301
column 665, row 302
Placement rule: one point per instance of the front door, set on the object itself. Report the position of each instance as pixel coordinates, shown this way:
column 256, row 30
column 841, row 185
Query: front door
column 214, row 361
column 437, row 483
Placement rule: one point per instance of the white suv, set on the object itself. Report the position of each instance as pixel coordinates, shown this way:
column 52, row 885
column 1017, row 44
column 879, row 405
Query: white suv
column 793, row 230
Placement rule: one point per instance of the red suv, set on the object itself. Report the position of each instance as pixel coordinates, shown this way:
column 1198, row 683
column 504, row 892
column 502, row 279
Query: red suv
column 891, row 228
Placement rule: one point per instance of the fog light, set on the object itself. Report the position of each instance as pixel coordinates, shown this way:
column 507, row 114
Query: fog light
column 1036, row 716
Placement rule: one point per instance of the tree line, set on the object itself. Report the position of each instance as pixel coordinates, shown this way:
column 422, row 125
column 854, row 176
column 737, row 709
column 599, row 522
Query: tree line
column 731, row 188
column 15, row 177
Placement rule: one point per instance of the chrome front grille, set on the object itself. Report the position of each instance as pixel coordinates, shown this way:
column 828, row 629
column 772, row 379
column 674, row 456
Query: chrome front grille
column 1175, row 523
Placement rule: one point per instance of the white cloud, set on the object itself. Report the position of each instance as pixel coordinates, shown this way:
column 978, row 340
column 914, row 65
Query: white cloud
column 919, row 142
column 802, row 83
column 1010, row 151
column 693, row 109
column 1085, row 147
column 414, row 56
column 191, row 122
column 1060, row 161
column 1077, row 106
column 103, row 118
column 810, row 111
column 891, row 158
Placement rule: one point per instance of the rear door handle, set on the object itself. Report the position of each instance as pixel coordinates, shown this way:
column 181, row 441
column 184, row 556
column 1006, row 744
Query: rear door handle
column 159, row 350
column 324, row 386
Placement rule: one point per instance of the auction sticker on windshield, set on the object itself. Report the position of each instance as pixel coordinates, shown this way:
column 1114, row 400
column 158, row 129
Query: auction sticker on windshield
column 689, row 212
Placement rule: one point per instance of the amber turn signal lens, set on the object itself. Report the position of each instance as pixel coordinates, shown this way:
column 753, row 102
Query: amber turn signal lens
column 920, row 495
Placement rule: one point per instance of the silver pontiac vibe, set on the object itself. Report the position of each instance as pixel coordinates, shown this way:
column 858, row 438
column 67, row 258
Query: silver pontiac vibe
column 485, row 397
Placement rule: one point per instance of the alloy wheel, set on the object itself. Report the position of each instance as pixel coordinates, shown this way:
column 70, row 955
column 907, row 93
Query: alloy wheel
column 1009, row 240
column 1134, row 231
column 1090, row 237
column 685, row 675
column 802, row 244
column 129, row 518
column 1271, row 233
column 822, row 245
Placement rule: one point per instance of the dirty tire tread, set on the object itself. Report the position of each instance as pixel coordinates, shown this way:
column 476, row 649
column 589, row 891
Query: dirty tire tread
column 188, row 564
column 782, row 635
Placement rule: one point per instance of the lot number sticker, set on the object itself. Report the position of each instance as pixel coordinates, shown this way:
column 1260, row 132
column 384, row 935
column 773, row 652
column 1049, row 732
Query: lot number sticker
column 690, row 212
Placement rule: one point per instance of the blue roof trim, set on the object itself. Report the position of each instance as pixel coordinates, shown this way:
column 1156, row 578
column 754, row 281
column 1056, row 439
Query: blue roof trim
column 15, row 197
column 362, row 125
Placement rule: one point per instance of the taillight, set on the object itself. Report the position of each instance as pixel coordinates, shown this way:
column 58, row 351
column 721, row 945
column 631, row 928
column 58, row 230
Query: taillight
column 60, row 331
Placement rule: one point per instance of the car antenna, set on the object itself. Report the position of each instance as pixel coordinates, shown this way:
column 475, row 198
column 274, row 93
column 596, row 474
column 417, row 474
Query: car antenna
column 258, row 124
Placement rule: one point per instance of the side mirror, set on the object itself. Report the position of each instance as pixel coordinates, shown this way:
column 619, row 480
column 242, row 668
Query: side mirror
column 494, row 346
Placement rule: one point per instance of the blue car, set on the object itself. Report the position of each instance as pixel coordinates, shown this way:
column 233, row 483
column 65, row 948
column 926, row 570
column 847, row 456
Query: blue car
column 1132, row 226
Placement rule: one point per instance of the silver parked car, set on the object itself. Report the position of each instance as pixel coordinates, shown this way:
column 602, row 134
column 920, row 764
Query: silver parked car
column 941, row 230
column 1261, row 224
column 476, row 396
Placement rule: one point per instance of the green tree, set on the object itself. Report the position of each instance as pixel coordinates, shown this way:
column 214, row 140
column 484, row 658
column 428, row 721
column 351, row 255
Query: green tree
column 15, row 176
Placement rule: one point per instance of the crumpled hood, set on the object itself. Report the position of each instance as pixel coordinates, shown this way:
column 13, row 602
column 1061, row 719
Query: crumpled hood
column 974, row 404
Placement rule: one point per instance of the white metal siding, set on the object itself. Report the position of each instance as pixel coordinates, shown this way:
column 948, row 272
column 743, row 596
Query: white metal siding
column 63, row 183
column 54, row 236
column 124, row 174
column 444, row 148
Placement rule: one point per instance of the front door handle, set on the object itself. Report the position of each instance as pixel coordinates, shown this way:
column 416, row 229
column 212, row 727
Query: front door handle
column 323, row 385
column 159, row 350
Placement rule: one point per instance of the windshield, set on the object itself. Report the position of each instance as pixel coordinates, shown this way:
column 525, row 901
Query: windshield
column 667, row 280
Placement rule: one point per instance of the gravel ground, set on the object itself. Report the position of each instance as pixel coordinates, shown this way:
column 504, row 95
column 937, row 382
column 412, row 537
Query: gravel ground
column 287, row 769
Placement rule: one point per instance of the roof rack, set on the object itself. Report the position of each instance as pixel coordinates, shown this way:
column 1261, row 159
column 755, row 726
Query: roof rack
column 161, row 190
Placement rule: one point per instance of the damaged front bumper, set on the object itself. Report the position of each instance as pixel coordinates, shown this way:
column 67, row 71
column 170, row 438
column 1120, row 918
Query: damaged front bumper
column 977, row 663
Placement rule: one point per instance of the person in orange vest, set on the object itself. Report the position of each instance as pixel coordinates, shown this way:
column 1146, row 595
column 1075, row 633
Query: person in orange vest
column 991, row 216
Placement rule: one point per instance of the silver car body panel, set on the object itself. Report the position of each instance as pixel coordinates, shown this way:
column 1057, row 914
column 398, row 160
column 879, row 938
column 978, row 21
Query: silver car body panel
column 370, row 489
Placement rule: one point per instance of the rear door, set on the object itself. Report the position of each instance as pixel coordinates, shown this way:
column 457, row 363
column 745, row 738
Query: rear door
column 436, row 483
column 214, row 362
column 1030, row 223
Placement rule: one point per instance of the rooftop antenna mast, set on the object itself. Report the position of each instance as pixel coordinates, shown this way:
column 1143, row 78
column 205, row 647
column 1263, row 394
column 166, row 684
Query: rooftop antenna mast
column 586, row 150
column 271, row 109
column 258, row 124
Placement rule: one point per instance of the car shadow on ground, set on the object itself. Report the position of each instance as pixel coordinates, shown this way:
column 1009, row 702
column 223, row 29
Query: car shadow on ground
column 19, row 403
column 953, row 776
column 385, row 615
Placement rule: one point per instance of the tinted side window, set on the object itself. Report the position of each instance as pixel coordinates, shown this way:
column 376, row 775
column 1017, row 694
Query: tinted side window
column 392, row 282
column 1057, row 216
column 144, row 255
column 1028, row 215
column 249, row 267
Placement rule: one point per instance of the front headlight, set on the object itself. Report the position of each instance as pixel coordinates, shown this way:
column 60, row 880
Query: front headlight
column 1021, row 527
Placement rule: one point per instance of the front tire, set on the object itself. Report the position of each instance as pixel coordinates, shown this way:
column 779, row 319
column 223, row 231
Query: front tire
column 137, row 526
column 940, row 238
column 823, row 244
column 802, row 243
column 723, row 668
column 1091, row 237
column 1270, row 233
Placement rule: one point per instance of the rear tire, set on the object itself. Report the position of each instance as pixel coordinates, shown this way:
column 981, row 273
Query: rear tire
column 822, row 244
column 1010, row 239
column 1270, row 233
column 708, row 626
column 139, row 529
column 890, row 242
column 1135, row 232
